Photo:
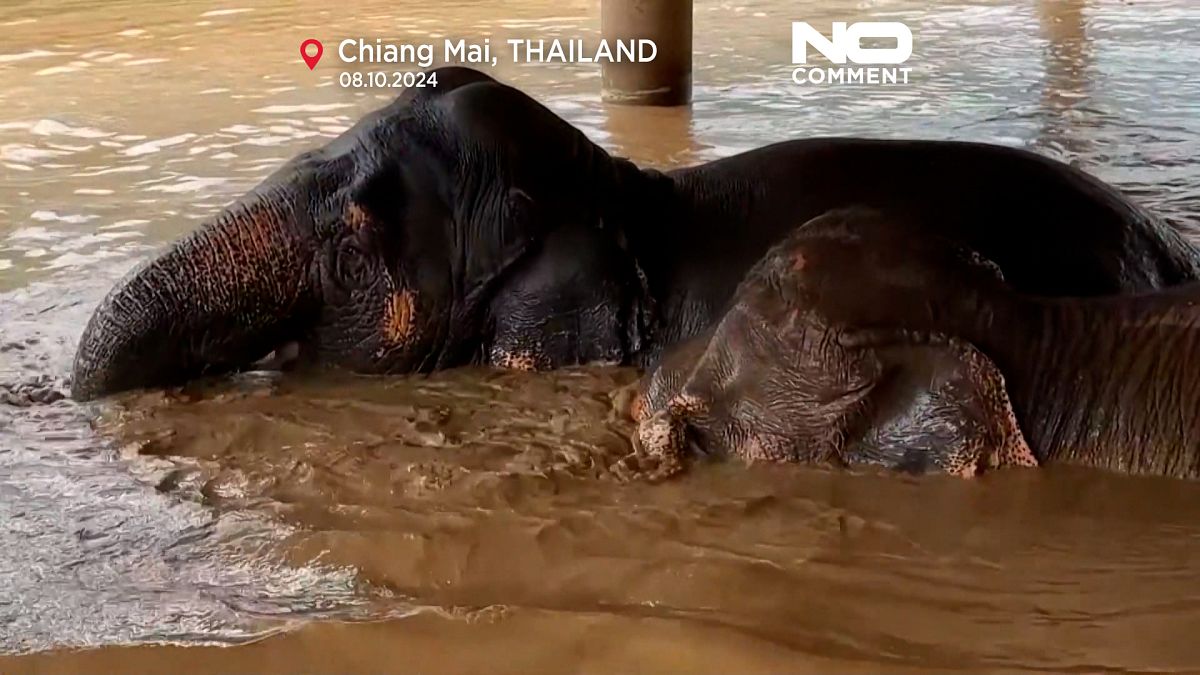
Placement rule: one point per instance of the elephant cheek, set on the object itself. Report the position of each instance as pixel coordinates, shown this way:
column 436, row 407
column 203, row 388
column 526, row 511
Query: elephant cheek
column 399, row 319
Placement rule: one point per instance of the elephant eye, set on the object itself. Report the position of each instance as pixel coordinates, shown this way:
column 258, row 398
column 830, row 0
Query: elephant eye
column 352, row 266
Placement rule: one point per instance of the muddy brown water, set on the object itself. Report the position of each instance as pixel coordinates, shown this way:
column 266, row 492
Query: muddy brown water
column 470, row 521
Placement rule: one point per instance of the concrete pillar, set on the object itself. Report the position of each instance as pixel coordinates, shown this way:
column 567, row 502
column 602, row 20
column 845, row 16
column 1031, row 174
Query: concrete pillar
column 667, row 80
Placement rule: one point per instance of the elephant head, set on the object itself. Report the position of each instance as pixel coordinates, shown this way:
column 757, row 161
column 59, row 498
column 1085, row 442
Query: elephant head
column 381, row 252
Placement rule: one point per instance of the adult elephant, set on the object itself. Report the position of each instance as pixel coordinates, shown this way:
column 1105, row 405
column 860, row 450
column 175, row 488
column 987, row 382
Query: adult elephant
column 379, row 252
column 467, row 223
column 860, row 339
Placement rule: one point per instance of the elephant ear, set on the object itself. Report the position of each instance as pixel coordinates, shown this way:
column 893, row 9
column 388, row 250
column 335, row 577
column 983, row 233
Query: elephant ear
column 417, row 215
column 495, row 245
column 519, row 226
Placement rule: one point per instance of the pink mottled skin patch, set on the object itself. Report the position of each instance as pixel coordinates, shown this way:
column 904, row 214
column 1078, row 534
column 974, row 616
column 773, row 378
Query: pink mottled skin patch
column 398, row 316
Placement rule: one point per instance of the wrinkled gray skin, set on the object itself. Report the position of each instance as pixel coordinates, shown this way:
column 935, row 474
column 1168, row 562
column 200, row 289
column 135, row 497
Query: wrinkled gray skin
column 469, row 224
column 387, row 250
column 854, row 341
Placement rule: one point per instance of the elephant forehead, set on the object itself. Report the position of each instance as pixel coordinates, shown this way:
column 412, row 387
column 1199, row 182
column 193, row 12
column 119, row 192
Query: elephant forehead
column 398, row 316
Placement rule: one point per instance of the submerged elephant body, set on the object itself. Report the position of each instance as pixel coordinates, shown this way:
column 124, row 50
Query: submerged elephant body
column 1054, row 230
column 469, row 224
column 853, row 341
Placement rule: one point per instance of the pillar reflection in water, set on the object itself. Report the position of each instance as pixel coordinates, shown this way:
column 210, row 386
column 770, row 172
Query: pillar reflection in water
column 1068, row 58
column 652, row 136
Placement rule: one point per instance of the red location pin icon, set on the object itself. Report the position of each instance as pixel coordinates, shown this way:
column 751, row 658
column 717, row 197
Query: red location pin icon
column 311, row 59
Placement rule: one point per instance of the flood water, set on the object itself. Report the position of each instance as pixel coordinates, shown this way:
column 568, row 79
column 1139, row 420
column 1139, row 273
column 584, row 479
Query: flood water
column 468, row 521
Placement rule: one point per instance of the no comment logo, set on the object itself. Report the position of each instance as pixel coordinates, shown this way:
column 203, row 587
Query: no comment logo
column 875, row 48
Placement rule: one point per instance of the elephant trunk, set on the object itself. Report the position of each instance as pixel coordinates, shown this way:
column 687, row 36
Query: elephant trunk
column 218, row 299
